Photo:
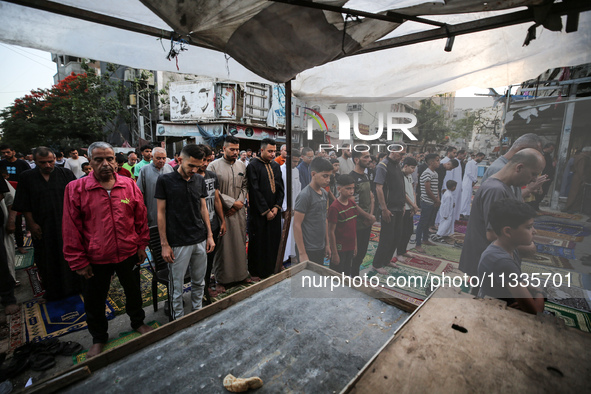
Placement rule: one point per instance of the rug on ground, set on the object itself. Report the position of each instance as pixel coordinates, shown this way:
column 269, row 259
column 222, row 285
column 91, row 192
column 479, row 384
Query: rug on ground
column 124, row 337
column 56, row 318
column 571, row 317
column 116, row 297
column 556, row 251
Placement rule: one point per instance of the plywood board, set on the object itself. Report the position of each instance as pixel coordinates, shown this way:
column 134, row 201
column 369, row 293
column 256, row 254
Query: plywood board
column 501, row 350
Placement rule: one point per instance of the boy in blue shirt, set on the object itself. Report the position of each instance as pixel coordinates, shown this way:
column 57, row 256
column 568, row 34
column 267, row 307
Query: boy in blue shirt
column 500, row 265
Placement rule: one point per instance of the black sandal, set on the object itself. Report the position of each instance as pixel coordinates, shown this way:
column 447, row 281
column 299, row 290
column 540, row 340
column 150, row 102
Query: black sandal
column 42, row 361
column 70, row 348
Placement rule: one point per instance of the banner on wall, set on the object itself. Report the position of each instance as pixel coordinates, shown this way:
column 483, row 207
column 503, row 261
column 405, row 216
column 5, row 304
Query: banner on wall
column 192, row 101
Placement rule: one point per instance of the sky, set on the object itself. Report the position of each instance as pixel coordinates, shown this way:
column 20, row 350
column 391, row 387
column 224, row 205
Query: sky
column 21, row 70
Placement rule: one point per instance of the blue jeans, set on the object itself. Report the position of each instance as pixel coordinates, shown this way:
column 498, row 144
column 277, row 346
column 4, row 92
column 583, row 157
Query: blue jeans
column 427, row 212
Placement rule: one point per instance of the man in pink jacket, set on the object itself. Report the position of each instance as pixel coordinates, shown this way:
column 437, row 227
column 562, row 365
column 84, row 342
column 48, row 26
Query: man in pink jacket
column 105, row 231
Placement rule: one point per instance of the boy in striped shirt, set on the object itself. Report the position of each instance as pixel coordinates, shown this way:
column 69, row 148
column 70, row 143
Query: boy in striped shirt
column 429, row 200
column 342, row 227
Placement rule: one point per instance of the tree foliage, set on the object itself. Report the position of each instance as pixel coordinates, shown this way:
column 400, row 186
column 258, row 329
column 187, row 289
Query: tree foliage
column 431, row 122
column 78, row 110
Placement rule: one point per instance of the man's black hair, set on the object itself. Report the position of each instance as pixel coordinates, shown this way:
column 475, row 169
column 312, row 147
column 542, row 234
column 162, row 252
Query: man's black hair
column 120, row 158
column 85, row 164
column 451, row 184
column 306, row 149
column 409, row 161
column 548, row 145
column 295, row 153
column 206, row 149
column 334, row 161
column 320, row 165
column 480, row 154
column 4, row 147
column 268, row 141
column 454, row 163
column 194, row 151
column 509, row 212
column 461, row 151
column 230, row 139
column 144, row 147
column 450, row 148
column 42, row 151
column 430, row 157
column 345, row 180
column 356, row 155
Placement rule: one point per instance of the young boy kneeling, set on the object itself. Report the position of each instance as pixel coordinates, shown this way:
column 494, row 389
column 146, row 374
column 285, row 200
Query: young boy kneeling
column 512, row 222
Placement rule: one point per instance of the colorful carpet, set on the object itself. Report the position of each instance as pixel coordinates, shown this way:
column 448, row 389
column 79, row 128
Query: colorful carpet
column 574, row 230
column 27, row 242
column 573, row 297
column 16, row 323
column 56, row 318
column 556, row 251
column 458, row 237
column 375, row 233
column 571, row 317
column 428, row 263
column 576, row 278
column 22, row 261
column 124, row 337
column 561, row 215
column 552, row 234
column 443, row 251
column 553, row 241
column 460, row 226
column 116, row 297
column 35, row 281
column 550, row 261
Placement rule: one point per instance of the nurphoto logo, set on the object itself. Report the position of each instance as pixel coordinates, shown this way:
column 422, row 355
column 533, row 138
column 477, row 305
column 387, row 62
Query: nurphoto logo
column 393, row 124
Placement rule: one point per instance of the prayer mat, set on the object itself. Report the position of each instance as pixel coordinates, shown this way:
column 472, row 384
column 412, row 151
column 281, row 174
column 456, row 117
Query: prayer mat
column 551, row 234
column 571, row 317
column 549, row 260
column 415, row 219
column 375, row 233
column 232, row 290
column 572, row 297
column 555, row 242
column 562, row 215
column 574, row 230
column 16, row 323
column 576, row 278
column 22, row 261
column 116, row 297
column 460, row 226
column 556, row 251
column 35, row 281
column 458, row 237
column 56, row 318
column 124, row 337
column 442, row 251
column 368, row 259
column 427, row 263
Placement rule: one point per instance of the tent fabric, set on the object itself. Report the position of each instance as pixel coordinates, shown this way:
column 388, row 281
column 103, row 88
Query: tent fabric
column 263, row 41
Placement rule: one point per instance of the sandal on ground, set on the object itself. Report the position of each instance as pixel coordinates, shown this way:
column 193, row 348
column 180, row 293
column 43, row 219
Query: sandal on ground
column 69, row 348
column 42, row 361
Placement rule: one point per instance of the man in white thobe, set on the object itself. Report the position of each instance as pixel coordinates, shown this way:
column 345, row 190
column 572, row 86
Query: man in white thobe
column 470, row 179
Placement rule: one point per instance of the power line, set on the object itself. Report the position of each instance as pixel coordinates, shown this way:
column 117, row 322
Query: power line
column 33, row 60
column 17, row 48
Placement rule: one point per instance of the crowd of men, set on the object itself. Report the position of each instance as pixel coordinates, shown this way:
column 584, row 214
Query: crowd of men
column 89, row 215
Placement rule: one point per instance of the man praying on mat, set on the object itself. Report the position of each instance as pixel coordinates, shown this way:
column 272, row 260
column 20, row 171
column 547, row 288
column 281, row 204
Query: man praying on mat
column 105, row 231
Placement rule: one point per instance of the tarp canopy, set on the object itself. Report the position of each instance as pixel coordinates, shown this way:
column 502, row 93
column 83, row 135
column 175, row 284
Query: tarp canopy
column 331, row 52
